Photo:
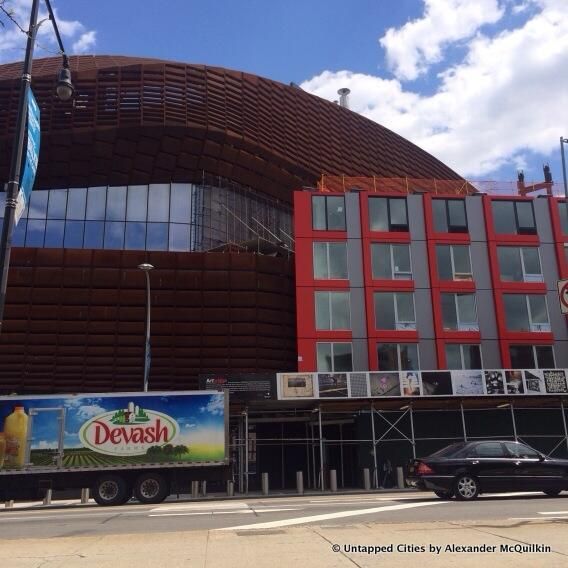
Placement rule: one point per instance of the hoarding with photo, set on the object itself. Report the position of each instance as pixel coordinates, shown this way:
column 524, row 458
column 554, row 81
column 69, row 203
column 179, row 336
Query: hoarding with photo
column 555, row 381
column 468, row 382
column 514, row 382
column 384, row 384
column 410, row 383
column 494, row 382
column 436, row 383
column 358, row 385
column 297, row 385
column 534, row 382
column 332, row 385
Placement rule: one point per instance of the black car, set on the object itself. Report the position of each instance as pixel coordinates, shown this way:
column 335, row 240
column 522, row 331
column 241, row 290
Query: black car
column 466, row 469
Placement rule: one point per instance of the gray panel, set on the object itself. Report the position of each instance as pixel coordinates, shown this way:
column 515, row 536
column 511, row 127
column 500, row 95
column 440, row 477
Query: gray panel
column 486, row 314
column 542, row 217
column 475, row 218
column 480, row 265
column 358, row 325
column 490, row 354
column 419, row 259
column 360, row 355
column 549, row 265
column 352, row 215
column 355, row 262
column 424, row 315
column 427, row 354
column 557, row 319
column 416, row 217
column 561, row 354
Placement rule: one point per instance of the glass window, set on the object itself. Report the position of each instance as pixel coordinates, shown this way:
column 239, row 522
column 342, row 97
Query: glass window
column 74, row 234
column 157, row 236
column 136, row 203
column 76, row 203
column 114, row 235
column 334, row 357
column 388, row 214
column 135, row 236
column 38, row 204
column 513, row 217
column 398, row 356
column 519, row 264
column 391, row 261
column 459, row 312
column 159, row 202
column 518, row 450
column 525, row 217
column 35, row 233
column 453, row 262
column 57, row 204
column 463, row 356
column 179, row 237
column 332, row 310
column 490, row 450
column 563, row 211
column 19, row 234
column 526, row 312
column 96, row 203
column 449, row 215
column 544, row 356
column 330, row 261
column 394, row 310
column 328, row 212
column 54, row 233
column 94, row 231
column 522, row 357
column 180, row 206
column 116, row 204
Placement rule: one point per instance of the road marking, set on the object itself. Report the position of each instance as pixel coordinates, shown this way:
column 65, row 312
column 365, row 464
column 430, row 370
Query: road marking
column 245, row 512
column 325, row 517
column 197, row 506
column 553, row 513
column 516, row 494
column 535, row 518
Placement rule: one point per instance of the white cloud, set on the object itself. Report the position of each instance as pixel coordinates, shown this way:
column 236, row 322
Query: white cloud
column 88, row 411
column 215, row 406
column 420, row 43
column 76, row 37
column 506, row 98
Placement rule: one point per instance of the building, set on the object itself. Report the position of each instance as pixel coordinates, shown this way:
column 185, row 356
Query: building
column 231, row 185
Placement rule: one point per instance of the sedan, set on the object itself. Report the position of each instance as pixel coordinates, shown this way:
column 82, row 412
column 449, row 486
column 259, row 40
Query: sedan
column 466, row 469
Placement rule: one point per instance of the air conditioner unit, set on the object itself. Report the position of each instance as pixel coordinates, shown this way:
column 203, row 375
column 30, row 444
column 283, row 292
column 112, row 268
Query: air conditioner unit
column 406, row 326
column 540, row 327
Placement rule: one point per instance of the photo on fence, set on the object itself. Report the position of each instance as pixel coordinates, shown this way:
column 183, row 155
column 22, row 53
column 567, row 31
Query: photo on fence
column 534, row 382
column 494, row 382
column 555, row 381
column 297, row 385
column 410, row 383
column 358, row 385
column 384, row 384
column 332, row 385
column 514, row 382
column 436, row 383
column 467, row 382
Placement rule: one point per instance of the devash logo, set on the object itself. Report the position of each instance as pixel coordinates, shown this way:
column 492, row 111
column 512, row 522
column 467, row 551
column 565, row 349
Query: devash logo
column 112, row 436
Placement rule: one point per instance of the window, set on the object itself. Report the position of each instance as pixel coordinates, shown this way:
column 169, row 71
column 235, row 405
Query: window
column 453, row 262
column 394, row 310
column 488, row 450
column 388, row 214
column 526, row 312
column 449, row 215
column 328, row 213
column 518, row 450
column 519, row 264
column 463, row 356
column 532, row 356
column 334, row 357
column 563, row 210
column 332, row 310
column 459, row 312
column 513, row 217
column 398, row 357
column 391, row 262
column 330, row 261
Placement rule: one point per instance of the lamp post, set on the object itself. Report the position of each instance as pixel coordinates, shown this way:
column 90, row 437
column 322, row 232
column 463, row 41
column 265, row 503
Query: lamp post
column 64, row 92
column 562, row 142
column 145, row 267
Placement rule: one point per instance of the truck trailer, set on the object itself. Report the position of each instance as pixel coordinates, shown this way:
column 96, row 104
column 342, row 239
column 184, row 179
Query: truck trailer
column 146, row 445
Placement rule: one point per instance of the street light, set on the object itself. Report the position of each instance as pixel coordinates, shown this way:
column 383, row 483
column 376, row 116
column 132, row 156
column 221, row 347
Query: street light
column 145, row 267
column 64, row 92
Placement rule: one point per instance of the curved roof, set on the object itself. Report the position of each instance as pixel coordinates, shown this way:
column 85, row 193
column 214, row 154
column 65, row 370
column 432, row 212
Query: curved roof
column 137, row 120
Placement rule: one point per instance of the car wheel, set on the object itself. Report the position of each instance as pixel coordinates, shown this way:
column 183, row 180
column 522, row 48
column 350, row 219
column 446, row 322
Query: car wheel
column 151, row 488
column 466, row 487
column 443, row 494
column 552, row 492
column 111, row 490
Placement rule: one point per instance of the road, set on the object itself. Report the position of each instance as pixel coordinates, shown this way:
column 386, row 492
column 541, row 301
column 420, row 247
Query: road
column 292, row 529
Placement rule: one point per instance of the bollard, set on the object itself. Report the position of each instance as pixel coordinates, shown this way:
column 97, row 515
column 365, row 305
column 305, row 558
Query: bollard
column 47, row 497
column 333, row 480
column 400, row 477
column 9, row 504
column 204, row 488
column 84, row 495
column 265, row 483
column 230, row 488
column 366, row 479
column 300, row 482
column 194, row 489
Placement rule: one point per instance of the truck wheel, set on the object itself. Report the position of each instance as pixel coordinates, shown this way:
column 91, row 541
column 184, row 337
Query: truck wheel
column 111, row 490
column 151, row 488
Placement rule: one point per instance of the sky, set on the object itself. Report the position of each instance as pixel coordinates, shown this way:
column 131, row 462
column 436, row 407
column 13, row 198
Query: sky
column 480, row 84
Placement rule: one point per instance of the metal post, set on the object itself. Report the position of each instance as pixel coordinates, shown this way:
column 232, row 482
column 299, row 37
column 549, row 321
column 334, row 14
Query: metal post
column 84, row 495
column 412, row 432
column 47, row 497
column 13, row 186
column 240, row 453
column 147, row 344
column 300, row 482
column 564, row 422
column 513, row 419
column 282, row 455
column 265, row 483
column 341, row 455
column 246, row 452
column 194, row 489
column 308, row 465
column 314, row 483
column 463, row 422
column 230, row 488
column 366, row 479
column 204, row 488
column 562, row 142
column 400, row 477
column 376, row 470
column 333, row 480
column 322, row 468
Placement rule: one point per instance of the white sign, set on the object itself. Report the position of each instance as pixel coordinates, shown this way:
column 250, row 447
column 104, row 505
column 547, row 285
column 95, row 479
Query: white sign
column 563, row 293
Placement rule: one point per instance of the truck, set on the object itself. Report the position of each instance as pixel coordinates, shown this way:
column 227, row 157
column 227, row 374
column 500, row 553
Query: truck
column 146, row 445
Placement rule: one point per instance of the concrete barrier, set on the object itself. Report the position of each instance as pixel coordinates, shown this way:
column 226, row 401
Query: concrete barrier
column 85, row 495
column 400, row 477
column 333, row 480
column 204, row 488
column 265, row 483
column 366, row 479
column 230, row 488
column 9, row 504
column 194, row 489
column 300, row 482
column 47, row 497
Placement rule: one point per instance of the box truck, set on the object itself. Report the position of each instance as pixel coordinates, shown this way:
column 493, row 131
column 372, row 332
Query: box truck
column 119, row 445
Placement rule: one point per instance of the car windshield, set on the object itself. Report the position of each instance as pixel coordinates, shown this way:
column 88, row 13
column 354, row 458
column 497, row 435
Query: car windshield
column 448, row 450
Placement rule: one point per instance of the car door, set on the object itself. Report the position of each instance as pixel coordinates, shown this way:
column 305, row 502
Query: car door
column 492, row 465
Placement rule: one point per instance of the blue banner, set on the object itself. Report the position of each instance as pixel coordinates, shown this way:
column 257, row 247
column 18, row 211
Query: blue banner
column 32, row 156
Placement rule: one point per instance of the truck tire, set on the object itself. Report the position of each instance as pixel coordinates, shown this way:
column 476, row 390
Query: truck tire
column 151, row 488
column 111, row 490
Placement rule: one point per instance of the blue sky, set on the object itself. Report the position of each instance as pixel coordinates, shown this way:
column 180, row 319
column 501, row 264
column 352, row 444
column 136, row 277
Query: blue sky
column 482, row 84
